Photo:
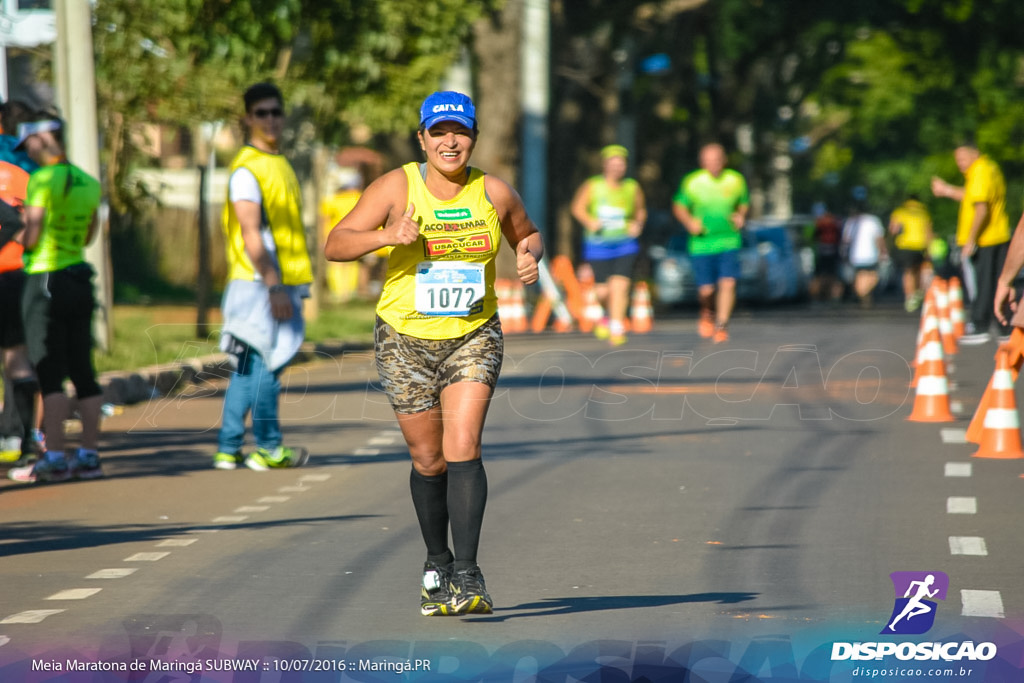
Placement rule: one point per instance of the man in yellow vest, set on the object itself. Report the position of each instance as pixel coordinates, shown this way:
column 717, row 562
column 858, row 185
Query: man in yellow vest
column 982, row 232
column 269, row 272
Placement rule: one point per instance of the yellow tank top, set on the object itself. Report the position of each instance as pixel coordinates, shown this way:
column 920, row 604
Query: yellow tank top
column 281, row 197
column 442, row 285
column 914, row 218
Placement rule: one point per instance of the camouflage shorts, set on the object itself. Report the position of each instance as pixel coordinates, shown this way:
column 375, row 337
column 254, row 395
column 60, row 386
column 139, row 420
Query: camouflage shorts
column 414, row 371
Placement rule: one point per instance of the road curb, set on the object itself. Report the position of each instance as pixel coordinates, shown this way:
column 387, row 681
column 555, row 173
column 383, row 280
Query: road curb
column 159, row 381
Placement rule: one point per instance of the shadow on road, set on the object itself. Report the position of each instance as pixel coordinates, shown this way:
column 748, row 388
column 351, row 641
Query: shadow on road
column 577, row 605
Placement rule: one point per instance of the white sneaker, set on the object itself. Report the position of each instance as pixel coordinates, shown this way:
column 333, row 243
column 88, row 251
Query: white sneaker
column 975, row 339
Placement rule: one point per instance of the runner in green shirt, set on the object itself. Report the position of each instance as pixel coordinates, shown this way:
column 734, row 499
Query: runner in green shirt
column 712, row 205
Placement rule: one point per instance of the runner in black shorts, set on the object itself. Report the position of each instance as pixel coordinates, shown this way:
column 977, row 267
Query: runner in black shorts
column 438, row 338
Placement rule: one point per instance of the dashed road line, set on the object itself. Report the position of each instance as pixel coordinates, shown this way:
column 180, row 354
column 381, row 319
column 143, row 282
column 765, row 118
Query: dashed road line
column 74, row 594
column 367, row 451
column 226, row 519
column 274, row 499
column 967, row 545
column 113, row 573
column 176, row 542
column 959, row 469
column 32, row 616
column 962, row 505
column 953, row 435
column 145, row 557
column 253, row 508
column 293, row 489
column 978, row 603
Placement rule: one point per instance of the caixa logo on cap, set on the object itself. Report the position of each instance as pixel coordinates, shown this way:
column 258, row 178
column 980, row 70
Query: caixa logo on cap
column 914, row 609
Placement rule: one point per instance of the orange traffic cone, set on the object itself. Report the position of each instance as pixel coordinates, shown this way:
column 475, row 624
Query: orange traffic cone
column 931, row 402
column 640, row 308
column 516, row 321
column 956, row 307
column 503, row 290
column 949, row 345
column 930, row 350
column 927, row 318
column 593, row 312
column 1000, row 437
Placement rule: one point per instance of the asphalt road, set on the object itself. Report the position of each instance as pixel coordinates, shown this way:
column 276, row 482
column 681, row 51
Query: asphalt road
column 644, row 501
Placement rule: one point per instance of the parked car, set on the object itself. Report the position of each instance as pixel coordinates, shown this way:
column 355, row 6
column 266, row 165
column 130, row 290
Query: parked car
column 775, row 264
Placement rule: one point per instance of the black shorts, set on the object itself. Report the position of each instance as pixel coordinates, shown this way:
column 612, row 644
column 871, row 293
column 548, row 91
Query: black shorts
column 619, row 265
column 12, row 286
column 57, row 310
column 908, row 258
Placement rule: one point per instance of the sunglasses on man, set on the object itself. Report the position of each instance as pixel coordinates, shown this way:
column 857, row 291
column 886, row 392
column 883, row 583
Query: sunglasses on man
column 276, row 112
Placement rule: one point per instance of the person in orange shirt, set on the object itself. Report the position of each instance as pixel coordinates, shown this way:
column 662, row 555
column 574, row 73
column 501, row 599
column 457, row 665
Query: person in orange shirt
column 19, row 432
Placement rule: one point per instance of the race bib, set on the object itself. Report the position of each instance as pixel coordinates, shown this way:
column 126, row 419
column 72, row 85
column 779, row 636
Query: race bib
column 448, row 288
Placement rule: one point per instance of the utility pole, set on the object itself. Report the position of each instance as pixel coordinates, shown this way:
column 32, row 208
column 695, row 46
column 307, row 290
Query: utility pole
column 535, row 59
column 76, row 92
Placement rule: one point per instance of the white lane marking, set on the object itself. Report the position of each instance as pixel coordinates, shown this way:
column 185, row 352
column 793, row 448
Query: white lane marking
column 253, row 508
column 982, row 604
column 229, row 518
column 4, row 640
column 113, row 573
column 175, row 542
column 967, row 545
column 293, row 489
column 962, row 505
column 274, row 499
column 382, row 440
column 959, row 469
column 32, row 616
column 315, row 477
column 956, row 407
column 953, row 435
column 367, row 451
column 74, row 594
column 145, row 557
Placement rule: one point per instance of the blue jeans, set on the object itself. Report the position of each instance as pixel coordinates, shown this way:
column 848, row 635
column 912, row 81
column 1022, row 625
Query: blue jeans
column 252, row 387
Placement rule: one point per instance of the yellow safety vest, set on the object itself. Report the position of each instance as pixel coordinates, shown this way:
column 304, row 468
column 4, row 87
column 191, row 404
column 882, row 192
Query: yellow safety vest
column 282, row 210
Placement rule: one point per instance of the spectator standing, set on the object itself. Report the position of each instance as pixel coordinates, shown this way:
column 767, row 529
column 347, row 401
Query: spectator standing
column 910, row 224
column 269, row 272
column 982, row 233
column 864, row 246
column 712, row 205
column 828, row 234
column 57, row 306
column 612, row 210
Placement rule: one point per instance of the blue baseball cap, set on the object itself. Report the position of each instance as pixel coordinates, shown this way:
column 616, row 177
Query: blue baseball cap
column 447, row 105
column 27, row 130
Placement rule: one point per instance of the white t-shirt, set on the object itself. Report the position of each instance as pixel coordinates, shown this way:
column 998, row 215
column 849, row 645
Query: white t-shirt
column 861, row 234
column 243, row 187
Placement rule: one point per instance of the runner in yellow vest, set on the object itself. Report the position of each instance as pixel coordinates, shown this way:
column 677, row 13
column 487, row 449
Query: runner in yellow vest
column 911, row 225
column 438, row 338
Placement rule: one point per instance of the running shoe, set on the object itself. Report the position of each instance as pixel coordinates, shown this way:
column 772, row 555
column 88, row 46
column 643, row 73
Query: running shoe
column 86, row 465
column 228, row 461
column 10, row 449
column 601, row 329
column 435, row 590
column 469, row 594
column 975, row 338
column 618, row 339
column 283, row 456
column 42, row 470
column 721, row 335
column 705, row 327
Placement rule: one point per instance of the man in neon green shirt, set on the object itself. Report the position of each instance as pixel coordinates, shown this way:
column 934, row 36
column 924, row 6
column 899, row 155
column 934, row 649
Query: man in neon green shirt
column 712, row 205
column 982, row 232
column 57, row 304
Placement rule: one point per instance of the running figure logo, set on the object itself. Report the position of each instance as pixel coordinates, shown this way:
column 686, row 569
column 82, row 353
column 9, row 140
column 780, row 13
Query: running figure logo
column 914, row 611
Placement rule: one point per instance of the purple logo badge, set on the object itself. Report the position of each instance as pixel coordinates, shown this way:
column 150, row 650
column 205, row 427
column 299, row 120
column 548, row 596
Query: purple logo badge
column 916, row 592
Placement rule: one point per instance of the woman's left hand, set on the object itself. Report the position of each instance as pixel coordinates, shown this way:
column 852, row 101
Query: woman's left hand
column 526, row 263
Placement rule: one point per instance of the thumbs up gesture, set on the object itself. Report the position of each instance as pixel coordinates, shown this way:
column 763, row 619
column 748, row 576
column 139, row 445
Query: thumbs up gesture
column 405, row 230
column 526, row 262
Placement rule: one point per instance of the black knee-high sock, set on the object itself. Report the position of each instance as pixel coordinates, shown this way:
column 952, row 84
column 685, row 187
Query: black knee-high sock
column 430, row 498
column 467, row 497
column 25, row 391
